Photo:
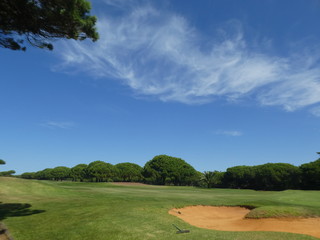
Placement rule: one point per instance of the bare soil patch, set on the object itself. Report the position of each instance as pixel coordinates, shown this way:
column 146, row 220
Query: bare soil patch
column 233, row 219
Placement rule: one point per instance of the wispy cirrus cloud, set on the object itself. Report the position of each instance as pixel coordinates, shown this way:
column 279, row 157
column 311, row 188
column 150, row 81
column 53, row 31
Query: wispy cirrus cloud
column 315, row 111
column 54, row 124
column 122, row 4
column 159, row 54
column 232, row 133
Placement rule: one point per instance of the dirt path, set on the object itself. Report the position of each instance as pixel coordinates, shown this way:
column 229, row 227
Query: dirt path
column 232, row 219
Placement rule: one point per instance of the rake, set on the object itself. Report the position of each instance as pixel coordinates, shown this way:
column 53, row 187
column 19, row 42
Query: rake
column 181, row 230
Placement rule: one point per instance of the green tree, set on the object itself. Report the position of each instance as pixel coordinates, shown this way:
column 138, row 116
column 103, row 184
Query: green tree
column 270, row 176
column 60, row 173
column 208, row 178
column 239, row 177
column 310, row 175
column 40, row 21
column 100, row 171
column 7, row 173
column 277, row 176
column 79, row 172
column 28, row 175
column 129, row 172
column 163, row 169
column 211, row 179
column 45, row 174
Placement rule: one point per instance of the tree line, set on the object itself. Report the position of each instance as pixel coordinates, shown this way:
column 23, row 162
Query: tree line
column 6, row 173
column 161, row 170
column 167, row 170
column 269, row 176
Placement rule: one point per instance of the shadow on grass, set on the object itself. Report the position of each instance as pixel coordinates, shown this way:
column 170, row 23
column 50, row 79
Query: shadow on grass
column 16, row 210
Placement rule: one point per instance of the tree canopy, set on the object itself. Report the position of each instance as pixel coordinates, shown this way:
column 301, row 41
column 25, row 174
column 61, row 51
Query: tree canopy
column 212, row 179
column 277, row 176
column 163, row 169
column 79, row 172
column 45, row 174
column 38, row 22
column 100, row 171
column 311, row 175
column 7, row 173
column 167, row 170
column 240, row 177
column 129, row 172
column 60, row 173
column 269, row 176
column 28, row 175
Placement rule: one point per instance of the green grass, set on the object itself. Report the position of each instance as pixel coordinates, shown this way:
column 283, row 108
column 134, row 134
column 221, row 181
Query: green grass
column 282, row 212
column 66, row 210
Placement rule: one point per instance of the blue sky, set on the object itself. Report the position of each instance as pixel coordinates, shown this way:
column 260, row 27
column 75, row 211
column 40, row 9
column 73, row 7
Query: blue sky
column 217, row 83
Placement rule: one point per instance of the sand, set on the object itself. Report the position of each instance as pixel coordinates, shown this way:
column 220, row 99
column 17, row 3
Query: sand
column 232, row 219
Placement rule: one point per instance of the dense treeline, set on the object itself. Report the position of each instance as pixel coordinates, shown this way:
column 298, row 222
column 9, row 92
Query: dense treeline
column 167, row 170
column 270, row 176
column 160, row 170
column 7, row 173
column 310, row 175
column 97, row 171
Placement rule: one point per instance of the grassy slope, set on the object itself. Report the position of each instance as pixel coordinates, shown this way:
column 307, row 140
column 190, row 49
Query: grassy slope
column 103, row 211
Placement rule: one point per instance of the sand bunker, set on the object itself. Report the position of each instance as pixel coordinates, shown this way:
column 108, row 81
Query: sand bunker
column 232, row 219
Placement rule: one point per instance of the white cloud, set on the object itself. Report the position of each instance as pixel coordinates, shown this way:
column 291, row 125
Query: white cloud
column 53, row 124
column 232, row 133
column 159, row 54
column 316, row 111
column 120, row 3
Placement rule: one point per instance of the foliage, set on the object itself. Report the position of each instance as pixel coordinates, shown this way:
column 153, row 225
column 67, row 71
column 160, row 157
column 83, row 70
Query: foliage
column 100, row 171
column 79, row 172
column 208, row 178
column 41, row 21
column 45, row 174
column 270, row 176
column 240, row 177
column 7, row 173
column 310, row 174
column 129, row 172
column 212, row 179
column 28, row 175
column 277, row 176
column 57, row 173
column 60, row 173
column 167, row 170
column 163, row 169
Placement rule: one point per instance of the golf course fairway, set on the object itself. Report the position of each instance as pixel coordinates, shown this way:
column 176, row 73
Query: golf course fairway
column 54, row 210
